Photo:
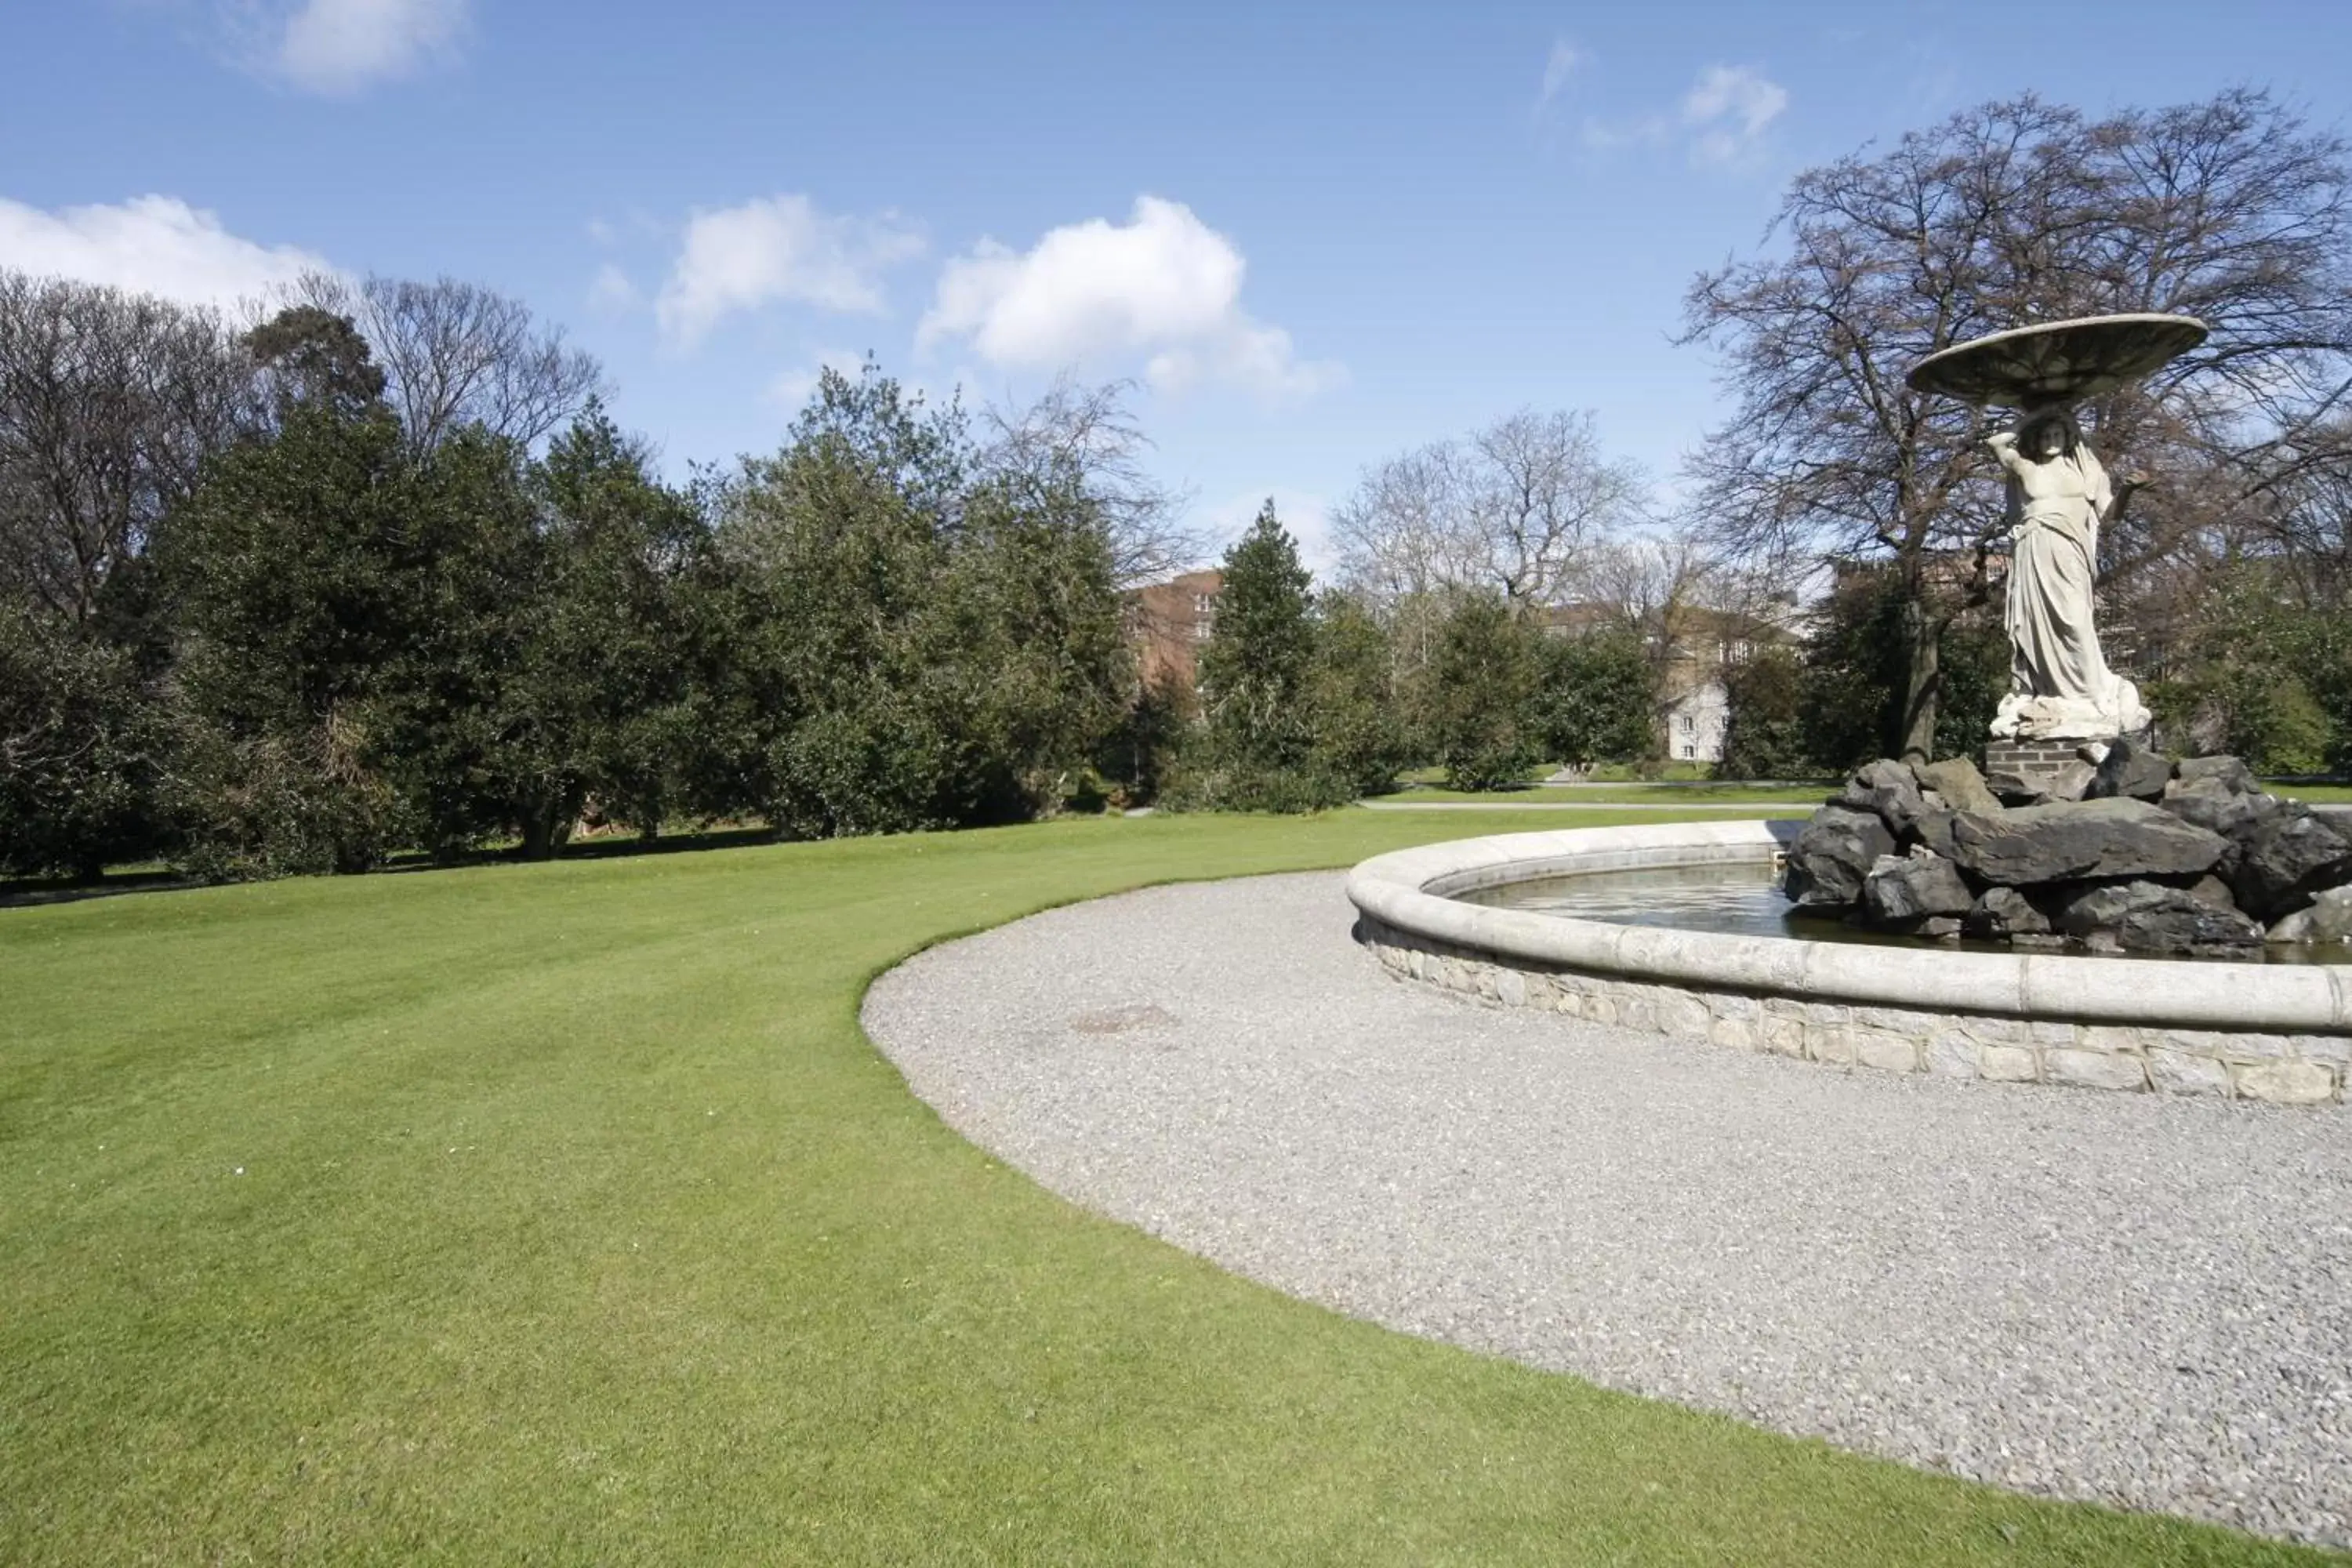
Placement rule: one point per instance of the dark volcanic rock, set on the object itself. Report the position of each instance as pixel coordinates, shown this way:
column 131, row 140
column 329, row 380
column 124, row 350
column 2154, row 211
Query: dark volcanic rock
column 2064, row 841
column 1957, row 781
column 2072, row 781
column 2002, row 913
column 2210, row 803
column 1888, row 789
column 1835, row 852
column 2231, row 773
column 2149, row 917
column 2130, row 768
column 1904, row 889
column 2013, row 790
column 2214, row 891
column 2284, row 860
column 1934, row 829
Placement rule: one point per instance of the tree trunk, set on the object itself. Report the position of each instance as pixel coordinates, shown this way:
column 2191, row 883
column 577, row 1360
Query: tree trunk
column 1923, row 684
column 546, row 829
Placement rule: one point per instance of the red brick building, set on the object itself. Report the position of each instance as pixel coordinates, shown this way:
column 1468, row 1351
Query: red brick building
column 1168, row 622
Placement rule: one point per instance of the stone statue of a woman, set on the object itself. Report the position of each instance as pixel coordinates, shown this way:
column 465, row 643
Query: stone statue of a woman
column 2059, row 685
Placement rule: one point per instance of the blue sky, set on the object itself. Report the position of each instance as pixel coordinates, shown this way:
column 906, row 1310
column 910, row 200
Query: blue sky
column 1317, row 234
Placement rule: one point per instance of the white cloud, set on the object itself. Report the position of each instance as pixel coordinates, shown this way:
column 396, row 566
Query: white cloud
column 1721, row 119
column 779, row 249
column 1162, row 288
column 1559, row 66
column 1728, row 109
column 151, row 245
column 340, row 47
column 612, row 292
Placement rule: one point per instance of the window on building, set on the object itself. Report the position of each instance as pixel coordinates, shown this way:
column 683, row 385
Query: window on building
column 1688, row 750
column 1688, row 723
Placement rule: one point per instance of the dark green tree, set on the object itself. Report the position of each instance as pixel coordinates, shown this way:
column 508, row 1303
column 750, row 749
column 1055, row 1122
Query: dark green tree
column 833, row 546
column 79, row 743
column 1764, row 734
column 1257, row 740
column 464, row 722
column 1482, row 694
column 315, row 359
column 1359, row 735
column 2261, row 675
column 893, row 636
column 290, row 574
column 605, row 668
column 1857, row 672
column 1145, row 749
column 1596, row 701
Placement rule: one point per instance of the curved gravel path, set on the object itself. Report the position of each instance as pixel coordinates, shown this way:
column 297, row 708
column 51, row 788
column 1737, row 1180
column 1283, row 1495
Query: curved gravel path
column 2141, row 1299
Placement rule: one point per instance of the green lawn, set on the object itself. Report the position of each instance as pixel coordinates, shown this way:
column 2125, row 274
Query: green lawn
column 561, row 1214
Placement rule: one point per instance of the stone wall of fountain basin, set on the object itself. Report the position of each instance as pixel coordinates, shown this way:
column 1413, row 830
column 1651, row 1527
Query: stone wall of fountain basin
column 2280, row 1034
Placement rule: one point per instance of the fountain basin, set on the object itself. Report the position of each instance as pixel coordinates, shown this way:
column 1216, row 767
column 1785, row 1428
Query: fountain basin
column 2281, row 1033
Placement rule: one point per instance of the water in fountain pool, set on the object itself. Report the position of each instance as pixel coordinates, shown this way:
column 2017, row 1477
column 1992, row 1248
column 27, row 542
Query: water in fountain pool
column 1746, row 901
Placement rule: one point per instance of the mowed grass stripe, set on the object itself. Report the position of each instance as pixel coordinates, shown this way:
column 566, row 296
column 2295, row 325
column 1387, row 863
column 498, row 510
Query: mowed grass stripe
column 579, row 1222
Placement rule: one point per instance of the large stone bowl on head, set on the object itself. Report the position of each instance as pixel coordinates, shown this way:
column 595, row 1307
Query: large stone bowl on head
column 2057, row 362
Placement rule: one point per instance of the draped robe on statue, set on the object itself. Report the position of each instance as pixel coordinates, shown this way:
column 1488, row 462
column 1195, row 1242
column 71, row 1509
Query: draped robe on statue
column 2060, row 687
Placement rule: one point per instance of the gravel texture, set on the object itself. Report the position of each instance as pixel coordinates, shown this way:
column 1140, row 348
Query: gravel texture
column 2141, row 1300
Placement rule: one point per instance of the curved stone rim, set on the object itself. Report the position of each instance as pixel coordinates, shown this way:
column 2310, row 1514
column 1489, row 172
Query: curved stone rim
column 1411, row 891
column 1991, row 369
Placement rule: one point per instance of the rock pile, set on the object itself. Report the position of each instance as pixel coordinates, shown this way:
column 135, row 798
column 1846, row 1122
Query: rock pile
column 2155, row 857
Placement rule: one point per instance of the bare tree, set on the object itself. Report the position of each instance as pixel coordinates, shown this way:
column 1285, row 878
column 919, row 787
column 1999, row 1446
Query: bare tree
column 1085, row 439
column 110, row 402
column 2229, row 210
column 1403, row 533
column 1660, row 586
column 1539, row 492
column 1512, row 509
column 457, row 353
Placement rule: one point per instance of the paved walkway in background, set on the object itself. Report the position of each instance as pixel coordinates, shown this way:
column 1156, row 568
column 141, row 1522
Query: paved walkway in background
column 1751, row 808
column 2138, row 1299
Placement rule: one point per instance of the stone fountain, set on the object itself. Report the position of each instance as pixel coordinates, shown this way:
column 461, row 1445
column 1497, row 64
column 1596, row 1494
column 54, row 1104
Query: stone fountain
column 2079, row 839
column 2079, row 834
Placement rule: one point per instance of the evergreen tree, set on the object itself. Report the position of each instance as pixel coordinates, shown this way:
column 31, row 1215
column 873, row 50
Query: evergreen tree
column 1358, row 736
column 288, row 576
column 1482, row 694
column 1255, row 669
column 79, row 743
column 1858, row 668
column 1764, row 735
column 606, row 666
column 1596, row 701
column 893, row 636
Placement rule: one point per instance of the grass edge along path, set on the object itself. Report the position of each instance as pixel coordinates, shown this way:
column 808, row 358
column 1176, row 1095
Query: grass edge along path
column 563, row 1214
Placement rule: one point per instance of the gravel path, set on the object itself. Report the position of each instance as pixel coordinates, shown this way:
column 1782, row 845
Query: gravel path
column 1744, row 807
column 2141, row 1299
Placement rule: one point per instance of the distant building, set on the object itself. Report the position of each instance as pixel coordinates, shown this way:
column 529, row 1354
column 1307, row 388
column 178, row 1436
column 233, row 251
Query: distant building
column 1168, row 622
column 1695, row 720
